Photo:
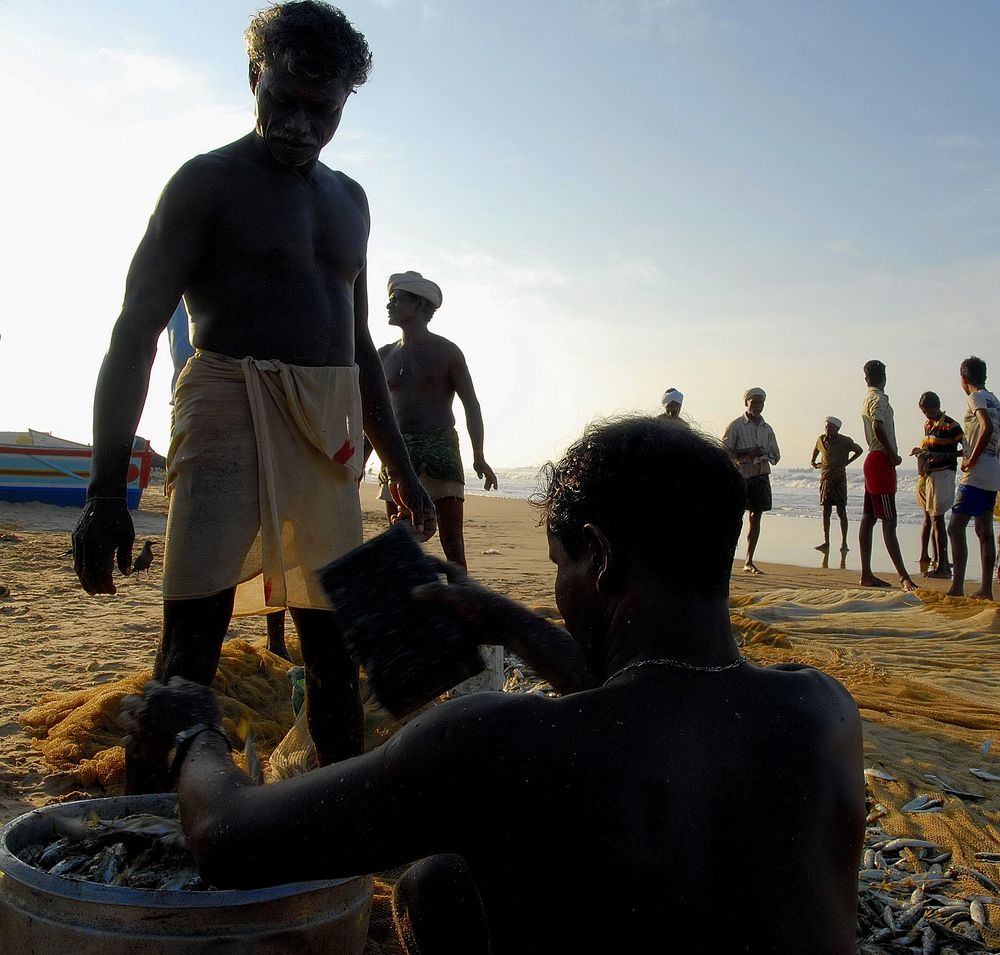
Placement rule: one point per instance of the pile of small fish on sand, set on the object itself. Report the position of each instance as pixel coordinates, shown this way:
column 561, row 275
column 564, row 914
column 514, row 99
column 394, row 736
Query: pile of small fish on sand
column 141, row 851
column 913, row 898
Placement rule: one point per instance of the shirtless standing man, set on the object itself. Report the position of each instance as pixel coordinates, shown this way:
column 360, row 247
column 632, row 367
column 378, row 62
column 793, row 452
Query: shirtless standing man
column 425, row 372
column 880, row 478
column 612, row 783
column 268, row 248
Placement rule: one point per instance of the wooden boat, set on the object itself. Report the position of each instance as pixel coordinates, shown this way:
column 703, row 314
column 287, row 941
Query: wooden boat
column 37, row 466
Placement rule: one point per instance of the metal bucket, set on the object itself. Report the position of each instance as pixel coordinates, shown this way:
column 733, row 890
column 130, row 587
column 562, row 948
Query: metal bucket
column 52, row 915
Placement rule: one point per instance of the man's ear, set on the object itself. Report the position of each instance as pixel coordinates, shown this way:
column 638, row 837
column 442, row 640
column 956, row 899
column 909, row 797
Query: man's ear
column 253, row 74
column 603, row 558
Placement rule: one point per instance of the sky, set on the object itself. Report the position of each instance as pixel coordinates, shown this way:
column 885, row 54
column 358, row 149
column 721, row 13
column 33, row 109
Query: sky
column 616, row 197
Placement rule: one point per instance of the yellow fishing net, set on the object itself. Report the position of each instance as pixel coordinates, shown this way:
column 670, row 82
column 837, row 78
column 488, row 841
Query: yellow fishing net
column 924, row 670
column 79, row 733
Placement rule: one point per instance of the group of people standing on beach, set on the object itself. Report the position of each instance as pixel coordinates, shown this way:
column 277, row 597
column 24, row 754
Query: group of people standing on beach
column 946, row 449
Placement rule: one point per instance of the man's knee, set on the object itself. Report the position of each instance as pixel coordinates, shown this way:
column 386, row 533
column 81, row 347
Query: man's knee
column 438, row 909
column 193, row 631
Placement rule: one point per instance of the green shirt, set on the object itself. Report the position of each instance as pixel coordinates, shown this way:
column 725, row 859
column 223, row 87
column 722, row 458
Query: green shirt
column 834, row 452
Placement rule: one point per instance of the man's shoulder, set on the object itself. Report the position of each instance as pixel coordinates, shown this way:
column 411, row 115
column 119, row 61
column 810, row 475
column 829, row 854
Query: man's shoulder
column 207, row 169
column 808, row 690
column 983, row 400
column 471, row 728
column 351, row 186
column 874, row 400
column 445, row 346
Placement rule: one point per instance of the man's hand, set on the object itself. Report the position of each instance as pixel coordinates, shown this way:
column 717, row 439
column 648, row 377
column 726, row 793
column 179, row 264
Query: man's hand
column 103, row 532
column 916, row 452
column 897, row 460
column 156, row 717
column 485, row 614
column 490, row 619
column 815, row 464
column 413, row 504
column 483, row 470
column 967, row 464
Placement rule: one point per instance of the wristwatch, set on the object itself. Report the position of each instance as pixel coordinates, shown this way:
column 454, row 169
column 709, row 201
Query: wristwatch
column 183, row 741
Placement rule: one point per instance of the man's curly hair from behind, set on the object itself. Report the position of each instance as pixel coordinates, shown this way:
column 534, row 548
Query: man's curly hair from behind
column 311, row 39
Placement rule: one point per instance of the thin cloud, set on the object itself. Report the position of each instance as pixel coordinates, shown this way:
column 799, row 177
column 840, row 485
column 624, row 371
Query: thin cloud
column 535, row 274
column 673, row 21
column 961, row 141
column 843, row 247
column 643, row 271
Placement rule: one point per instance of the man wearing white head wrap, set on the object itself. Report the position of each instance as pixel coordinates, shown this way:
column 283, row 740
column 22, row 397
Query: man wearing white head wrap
column 834, row 452
column 416, row 284
column 425, row 372
column 752, row 443
column 671, row 401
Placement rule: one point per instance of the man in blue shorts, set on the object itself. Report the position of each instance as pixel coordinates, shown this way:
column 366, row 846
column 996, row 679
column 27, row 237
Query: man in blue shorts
column 980, row 479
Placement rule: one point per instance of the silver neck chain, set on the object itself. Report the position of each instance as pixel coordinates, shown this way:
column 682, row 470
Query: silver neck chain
column 679, row 664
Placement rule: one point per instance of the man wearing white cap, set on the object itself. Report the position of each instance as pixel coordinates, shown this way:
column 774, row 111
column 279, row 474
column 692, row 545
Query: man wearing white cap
column 835, row 451
column 752, row 443
column 425, row 372
column 671, row 402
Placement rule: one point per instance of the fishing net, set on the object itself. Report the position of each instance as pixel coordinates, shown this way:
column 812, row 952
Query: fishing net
column 79, row 733
column 923, row 670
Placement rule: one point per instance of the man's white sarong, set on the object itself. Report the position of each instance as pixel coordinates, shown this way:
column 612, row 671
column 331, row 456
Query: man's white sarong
column 262, row 476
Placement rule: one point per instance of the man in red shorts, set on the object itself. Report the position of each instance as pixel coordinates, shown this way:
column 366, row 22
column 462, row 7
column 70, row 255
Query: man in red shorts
column 880, row 478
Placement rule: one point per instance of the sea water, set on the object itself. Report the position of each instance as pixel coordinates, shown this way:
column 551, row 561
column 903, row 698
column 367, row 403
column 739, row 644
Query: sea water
column 795, row 491
column 793, row 528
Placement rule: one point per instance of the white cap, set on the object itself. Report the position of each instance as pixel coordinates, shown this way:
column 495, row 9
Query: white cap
column 671, row 396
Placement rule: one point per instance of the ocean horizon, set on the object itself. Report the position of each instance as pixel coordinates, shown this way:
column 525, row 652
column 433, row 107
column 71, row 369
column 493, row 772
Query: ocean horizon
column 795, row 491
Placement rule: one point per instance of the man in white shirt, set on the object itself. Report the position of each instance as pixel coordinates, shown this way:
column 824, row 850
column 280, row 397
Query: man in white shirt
column 751, row 441
column 880, row 478
column 979, row 481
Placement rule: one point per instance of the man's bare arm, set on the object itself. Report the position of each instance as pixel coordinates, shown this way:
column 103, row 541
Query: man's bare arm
column 496, row 620
column 157, row 277
column 461, row 381
column 380, row 423
column 360, row 815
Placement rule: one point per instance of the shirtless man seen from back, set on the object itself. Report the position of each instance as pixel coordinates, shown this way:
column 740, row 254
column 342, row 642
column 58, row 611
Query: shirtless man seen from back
column 268, row 247
column 621, row 809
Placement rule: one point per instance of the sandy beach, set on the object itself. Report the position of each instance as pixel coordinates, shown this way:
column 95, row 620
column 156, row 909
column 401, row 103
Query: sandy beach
column 924, row 668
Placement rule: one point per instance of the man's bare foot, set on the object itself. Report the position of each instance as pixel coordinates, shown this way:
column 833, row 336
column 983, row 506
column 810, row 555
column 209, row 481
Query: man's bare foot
column 872, row 581
column 907, row 584
column 939, row 573
column 959, row 592
column 751, row 568
column 981, row 595
column 824, row 548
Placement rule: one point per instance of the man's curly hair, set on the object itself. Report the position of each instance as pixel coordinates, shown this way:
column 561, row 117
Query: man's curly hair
column 667, row 494
column 308, row 38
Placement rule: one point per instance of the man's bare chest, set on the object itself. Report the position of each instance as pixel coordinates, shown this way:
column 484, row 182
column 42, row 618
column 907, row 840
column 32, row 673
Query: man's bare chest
column 409, row 370
column 289, row 230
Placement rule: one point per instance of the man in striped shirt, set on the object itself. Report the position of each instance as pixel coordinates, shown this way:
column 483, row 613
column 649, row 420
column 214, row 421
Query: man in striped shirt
column 937, row 463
